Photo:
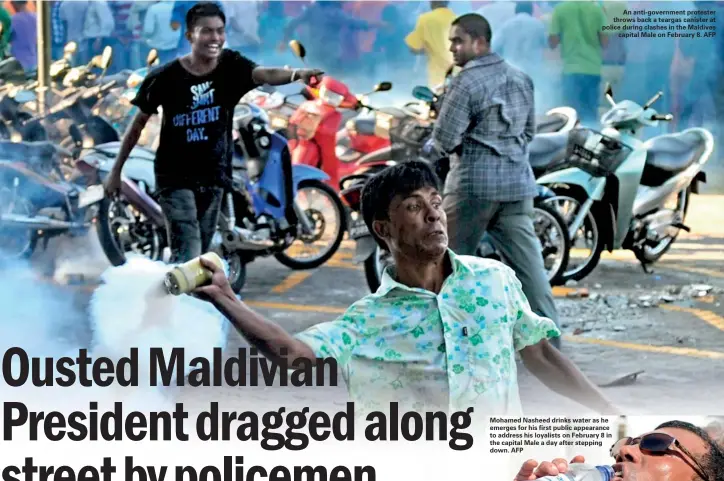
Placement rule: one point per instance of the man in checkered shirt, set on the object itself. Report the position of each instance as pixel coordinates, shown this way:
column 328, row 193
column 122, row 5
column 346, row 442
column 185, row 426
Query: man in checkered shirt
column 486, row 122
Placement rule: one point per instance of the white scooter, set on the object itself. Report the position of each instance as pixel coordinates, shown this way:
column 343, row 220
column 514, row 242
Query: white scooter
column 622, row 192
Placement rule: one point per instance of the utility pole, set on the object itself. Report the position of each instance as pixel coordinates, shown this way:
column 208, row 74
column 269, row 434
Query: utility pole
column 44, row 56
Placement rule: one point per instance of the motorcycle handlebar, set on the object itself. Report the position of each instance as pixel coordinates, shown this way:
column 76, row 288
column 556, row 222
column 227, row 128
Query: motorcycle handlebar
column 666, row 117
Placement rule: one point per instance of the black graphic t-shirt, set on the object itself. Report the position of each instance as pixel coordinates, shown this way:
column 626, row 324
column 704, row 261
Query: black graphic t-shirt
column 196, row 142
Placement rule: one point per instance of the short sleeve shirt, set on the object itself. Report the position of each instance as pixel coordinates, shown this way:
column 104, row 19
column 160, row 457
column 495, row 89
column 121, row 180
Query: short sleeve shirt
column 196, row 143
column 427, row 351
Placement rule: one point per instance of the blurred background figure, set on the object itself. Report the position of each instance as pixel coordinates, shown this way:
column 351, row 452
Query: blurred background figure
column 522, row 41
column 242, row 27
column 24, row 36
column 7, row 23
column 157, row 30
column 98, row 27
column 431, row 39
column 324, row 28
column 497, row 12
column 614, row 54
column 578, row 28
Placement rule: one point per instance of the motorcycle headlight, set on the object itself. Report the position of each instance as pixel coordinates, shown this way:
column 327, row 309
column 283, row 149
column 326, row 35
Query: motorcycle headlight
column 330, row 98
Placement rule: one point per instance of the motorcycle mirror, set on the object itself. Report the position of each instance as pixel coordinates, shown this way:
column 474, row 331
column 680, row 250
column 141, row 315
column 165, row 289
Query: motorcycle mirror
column 56, row 68
column 653, row 99
column 70, row 48
column 609, row 94
column 152, row 58
column 298, row 49
column 107, row 57
column 383, row 87
column 423, row 93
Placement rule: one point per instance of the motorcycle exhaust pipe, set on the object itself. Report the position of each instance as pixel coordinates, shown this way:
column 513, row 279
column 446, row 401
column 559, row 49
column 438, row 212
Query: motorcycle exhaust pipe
column 242, row 239
column 37, row 222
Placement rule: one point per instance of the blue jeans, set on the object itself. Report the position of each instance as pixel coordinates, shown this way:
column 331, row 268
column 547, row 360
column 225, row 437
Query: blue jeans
column 581, row 92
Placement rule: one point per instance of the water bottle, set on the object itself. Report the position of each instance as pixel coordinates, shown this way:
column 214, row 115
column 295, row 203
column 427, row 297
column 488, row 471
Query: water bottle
column 583, row 472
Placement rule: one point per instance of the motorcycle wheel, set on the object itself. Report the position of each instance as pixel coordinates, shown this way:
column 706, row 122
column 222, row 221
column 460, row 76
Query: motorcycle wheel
column 567, row 204
column 547, row 214
column 237, row 272
column 651, row 254
column 320, row 223
column 117, row 218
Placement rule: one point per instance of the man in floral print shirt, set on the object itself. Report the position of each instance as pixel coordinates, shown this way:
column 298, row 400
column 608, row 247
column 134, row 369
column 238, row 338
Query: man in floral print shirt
column 442, row 330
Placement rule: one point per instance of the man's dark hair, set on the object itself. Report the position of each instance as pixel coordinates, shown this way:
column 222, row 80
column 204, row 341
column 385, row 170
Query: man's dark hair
column 474, row 25
column 712, row 461
column 201, row 10
column 524, row 7
column 438, row 4
column 402, row 179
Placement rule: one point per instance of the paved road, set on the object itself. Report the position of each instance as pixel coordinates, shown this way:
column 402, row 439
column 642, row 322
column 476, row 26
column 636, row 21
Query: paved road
column 679, row 344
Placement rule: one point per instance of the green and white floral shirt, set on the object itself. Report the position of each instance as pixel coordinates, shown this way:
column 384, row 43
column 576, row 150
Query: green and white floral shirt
column 448, row 351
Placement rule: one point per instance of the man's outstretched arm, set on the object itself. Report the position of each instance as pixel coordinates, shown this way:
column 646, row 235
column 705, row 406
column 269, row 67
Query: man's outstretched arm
column 271, row 340
column 283, row 76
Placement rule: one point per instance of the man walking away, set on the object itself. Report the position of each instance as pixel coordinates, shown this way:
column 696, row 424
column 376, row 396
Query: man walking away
column 197, row 93
column 578, row 28
column 430, row 38
column 486, row 122
column 243, row 29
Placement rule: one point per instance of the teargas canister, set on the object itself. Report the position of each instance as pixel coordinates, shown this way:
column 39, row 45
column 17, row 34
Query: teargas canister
column 188, row 276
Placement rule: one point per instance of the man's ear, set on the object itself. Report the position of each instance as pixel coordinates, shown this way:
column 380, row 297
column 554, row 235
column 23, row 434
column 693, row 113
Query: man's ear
column 381, row 228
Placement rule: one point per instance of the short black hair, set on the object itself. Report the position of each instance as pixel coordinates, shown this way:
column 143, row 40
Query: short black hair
column 474, row 25
column 401, row 179
column 524, row 7
column 201, row 10
column 713, row 461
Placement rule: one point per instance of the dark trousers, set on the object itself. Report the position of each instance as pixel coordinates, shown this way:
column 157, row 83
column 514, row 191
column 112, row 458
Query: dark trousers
column 582, row 92
column 191, row 219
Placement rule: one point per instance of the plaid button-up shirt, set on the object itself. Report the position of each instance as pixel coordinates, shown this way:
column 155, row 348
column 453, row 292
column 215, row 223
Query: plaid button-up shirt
column 488, row 119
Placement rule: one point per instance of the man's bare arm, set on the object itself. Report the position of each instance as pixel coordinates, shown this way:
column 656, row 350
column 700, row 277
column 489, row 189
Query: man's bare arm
column 273, row 76
column 553, row 41
column 559, row 374
column 269, row 338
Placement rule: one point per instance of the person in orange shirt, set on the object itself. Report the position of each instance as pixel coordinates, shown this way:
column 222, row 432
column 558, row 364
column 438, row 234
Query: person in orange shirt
column 430, row 37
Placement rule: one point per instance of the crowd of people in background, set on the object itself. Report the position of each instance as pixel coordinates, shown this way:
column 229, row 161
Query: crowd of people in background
column 559, row 44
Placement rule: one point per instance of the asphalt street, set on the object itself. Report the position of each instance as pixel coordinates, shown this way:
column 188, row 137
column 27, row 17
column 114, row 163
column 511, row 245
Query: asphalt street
column 667, row 327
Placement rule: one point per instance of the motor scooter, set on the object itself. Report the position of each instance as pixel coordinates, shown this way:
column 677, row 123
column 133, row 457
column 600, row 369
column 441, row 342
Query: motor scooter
column 618, row 191
column 314, row 125
column 267, row 222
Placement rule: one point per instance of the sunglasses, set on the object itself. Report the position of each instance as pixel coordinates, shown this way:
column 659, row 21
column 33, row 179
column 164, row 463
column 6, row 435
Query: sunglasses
column 657, row 443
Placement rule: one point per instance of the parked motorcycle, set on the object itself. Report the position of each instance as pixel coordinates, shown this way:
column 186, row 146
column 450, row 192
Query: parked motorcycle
column 618, row 191
column 269, row 223
column 313, row 127
column 36, row 201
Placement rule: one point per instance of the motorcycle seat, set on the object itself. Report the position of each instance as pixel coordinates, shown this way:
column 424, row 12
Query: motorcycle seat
column 546, row 150
column 670, row 154
column 546, row 124
column 27, row 151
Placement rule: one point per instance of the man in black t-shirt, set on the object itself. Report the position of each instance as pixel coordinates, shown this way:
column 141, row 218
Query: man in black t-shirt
column 197, row 93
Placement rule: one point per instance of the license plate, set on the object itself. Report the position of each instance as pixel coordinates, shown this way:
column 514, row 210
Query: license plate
column 358, row 229
column 91, row 195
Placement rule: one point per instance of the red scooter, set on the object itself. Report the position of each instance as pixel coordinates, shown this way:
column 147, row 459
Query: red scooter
column 314, row 125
